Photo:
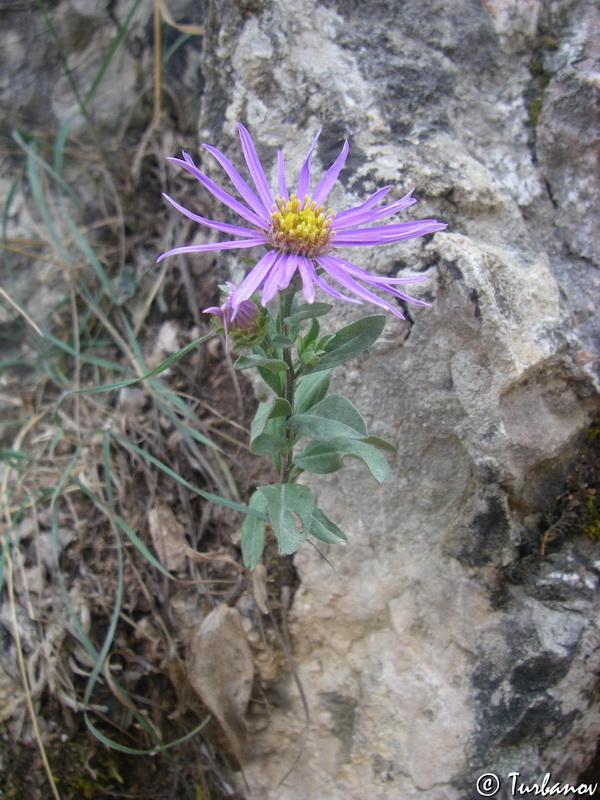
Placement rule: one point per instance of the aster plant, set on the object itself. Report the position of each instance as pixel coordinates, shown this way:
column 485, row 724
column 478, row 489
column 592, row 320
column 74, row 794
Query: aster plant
column 302, row 427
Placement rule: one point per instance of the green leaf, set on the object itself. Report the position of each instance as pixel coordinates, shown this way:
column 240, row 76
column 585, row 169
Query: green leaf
column 333, row 417
column 310, row 389
column 290, row 510
column 274, row 380
column 272, row 364
column 280, row 408
column 349, row 342
column 308, row 311
column 279, row 340
column 321, row 527
column 325, row 457
column 382, row 444
column 312, row 334
column 253, row 533
column 164, row 365
column 267, row 434
column 214, row 498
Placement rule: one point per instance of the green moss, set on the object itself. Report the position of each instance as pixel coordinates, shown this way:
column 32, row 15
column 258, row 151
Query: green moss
column 594, row 430
column 577, row 508
column 541, row 79
column 548, row 42
column 535, row 108
column 536, row 67
column 592, row 528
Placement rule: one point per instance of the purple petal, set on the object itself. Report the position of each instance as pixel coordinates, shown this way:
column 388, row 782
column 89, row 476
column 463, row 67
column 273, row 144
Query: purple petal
column 281, row 184
column 341, row 276
column 407, row 297
column 255, row 277
column 219, row 193
column 198, row 248
column 385, row 234
column 280, row 276
column 379, row 281
column 236, row 230
column 368, row 203
column 255, row 168
column 290, row 264
column 334, row 292
column 304, row 177
column 239, row 183
column 325, row 185
column 271, row 283
column 308, row 275
column 364, row 275
column 358, row 217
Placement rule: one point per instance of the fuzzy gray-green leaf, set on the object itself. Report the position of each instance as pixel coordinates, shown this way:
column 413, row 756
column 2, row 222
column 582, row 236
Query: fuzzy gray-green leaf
column 332, row 418
column 253, row 533
column 267, row 434
column 290, row 510
column 328, row 456
column 321, row 527
column 349, row 342
column 272, row 364
column 310, row 390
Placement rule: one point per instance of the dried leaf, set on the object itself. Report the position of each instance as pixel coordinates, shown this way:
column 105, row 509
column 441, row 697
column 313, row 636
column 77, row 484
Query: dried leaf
column 168, row 538
column 259, row 587
column 219, row 555
column 221, row 670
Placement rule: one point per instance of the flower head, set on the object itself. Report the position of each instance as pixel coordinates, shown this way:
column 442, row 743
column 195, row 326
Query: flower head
column 242, row 316
column 301, row 235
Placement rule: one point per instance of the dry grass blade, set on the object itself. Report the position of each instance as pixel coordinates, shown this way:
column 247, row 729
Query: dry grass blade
column 192, row 30
column 20, row 311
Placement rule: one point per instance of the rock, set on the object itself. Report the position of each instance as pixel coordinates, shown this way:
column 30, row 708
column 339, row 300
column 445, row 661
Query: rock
column 221, row 670
column 568, row 134
column 424, row 666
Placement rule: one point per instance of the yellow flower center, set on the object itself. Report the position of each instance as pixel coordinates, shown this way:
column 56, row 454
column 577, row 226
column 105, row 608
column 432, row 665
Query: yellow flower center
column 300, row 227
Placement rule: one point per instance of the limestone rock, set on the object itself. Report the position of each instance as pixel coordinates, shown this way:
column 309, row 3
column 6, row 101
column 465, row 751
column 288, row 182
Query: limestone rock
column 424, row 667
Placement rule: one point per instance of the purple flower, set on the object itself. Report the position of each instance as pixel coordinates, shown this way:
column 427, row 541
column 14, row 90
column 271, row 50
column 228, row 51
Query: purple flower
column 234, row 316
column 301, row 234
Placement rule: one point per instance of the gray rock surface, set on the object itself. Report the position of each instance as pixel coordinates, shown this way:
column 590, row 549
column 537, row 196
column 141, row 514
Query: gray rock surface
column 423, row 666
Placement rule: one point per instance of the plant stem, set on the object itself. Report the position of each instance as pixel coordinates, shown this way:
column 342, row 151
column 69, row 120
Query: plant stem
column 285, row 309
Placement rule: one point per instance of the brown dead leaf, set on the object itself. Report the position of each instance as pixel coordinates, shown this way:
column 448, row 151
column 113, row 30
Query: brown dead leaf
column 217, row 555
column 259, row 587
column 168, row 538
column 221, row 670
